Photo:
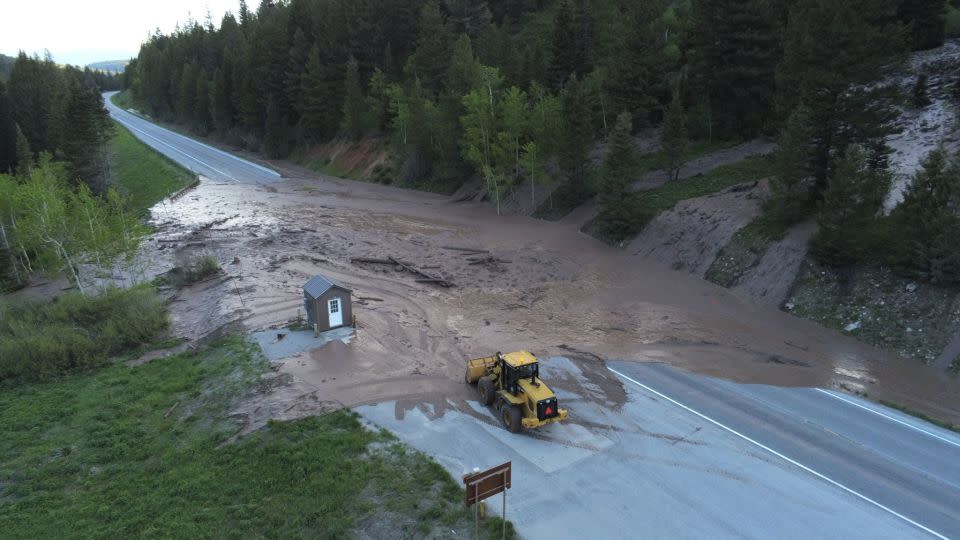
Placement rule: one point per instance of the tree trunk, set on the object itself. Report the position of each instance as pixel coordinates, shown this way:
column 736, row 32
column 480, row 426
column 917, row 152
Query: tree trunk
column 10, row 255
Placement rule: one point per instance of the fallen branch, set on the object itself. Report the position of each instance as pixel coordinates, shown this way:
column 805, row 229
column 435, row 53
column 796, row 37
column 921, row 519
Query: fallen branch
column 170, row 410
column 467, row 250
column 356, row 260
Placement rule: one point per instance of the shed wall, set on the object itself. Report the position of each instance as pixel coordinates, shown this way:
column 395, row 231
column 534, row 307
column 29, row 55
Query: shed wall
column 317, row 309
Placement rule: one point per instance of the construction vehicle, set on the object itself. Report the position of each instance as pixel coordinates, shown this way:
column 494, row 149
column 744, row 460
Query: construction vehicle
column 511, row 382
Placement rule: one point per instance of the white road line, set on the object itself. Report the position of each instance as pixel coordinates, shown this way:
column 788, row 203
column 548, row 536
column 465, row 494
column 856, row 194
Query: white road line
column 175, row 149
column 226, row 154
column 888, row 417
column 208, row 147
column 783, row 457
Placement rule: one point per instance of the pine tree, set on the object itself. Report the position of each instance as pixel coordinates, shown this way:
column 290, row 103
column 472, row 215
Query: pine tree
column 317, row 105
column 568, row 51
column 463, row 72
column 849, row 212
column 221, row 103
column 187, row 93
column 637, row 76
column 86, row 132
column 674, row 136
column 926, row 226
column 24, row 154
column 834, row 52
column 468, row 16
column 927, row 20
column 791, row 190
column 201, row 107
column 274, row 139
column 428, row 63
column 353, row 102
column 245, row 16
column 616, row 221
column 576, row 136
column 734, row 50
column 38, row 95
column 8, row 133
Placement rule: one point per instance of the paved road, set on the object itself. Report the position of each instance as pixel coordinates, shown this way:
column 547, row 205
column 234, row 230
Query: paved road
column 761, row 462
column 199, row 158
column 902, row 466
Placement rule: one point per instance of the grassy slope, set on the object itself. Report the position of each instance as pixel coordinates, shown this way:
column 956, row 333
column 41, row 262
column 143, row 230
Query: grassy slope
column 142, row 174
column 96, row 455
column 652, row 202
column 40, row 340
column 562, row 202
column 123, row 99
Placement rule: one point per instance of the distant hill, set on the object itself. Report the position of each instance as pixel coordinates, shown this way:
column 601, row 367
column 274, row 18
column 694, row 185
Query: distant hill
column 109, row 66
column 6, row 65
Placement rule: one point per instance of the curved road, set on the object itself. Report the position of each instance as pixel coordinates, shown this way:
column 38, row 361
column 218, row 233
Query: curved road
column 199, row 158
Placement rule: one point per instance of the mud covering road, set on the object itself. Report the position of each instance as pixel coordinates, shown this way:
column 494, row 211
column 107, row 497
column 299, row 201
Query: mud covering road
column 549, row 288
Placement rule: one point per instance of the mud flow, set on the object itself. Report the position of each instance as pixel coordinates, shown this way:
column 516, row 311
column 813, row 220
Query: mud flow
column 526, row 284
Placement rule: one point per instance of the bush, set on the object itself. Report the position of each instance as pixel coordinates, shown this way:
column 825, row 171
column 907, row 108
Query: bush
column 43, row 340
column 190, row 271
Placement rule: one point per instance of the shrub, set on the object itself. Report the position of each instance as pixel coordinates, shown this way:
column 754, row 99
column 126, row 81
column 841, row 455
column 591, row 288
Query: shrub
column 190, row 271
column 43, row 340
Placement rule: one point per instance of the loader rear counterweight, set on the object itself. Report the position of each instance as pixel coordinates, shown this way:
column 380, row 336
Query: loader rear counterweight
column 511, row 382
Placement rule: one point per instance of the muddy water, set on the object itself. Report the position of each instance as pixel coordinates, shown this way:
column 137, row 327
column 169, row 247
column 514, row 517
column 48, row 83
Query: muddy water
column 553, row 290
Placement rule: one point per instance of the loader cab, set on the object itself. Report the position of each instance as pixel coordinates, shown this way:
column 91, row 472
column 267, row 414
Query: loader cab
column 517, row 366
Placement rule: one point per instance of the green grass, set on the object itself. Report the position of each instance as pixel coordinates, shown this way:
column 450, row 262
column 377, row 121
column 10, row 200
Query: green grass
column 124, row 100
column 142, row 452
column 744, row 250
column 922, row 416
column 41, row 340
column 652, row 202
column 658, row 160
column 564, row 200
column 141, row 174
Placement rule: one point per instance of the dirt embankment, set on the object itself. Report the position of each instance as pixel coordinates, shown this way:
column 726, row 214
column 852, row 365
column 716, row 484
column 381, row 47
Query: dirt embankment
column 547, row 290
column 689, row 236
column 770, row 281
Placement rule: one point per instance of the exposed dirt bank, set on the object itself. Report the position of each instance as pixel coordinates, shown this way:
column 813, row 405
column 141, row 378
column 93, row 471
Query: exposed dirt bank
column 559, row 289
column 689, row 236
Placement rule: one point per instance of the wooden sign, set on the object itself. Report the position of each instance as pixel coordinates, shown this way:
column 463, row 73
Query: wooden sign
column 485, row 484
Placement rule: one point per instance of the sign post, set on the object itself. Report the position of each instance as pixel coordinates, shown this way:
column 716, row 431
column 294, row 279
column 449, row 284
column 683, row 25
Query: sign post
column 485, row 484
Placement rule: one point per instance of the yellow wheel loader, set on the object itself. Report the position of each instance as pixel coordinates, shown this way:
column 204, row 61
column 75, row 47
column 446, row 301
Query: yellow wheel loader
column 511, row 383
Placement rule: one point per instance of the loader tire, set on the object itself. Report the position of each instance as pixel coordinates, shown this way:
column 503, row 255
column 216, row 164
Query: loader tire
column 487, row 392
column 511, row 417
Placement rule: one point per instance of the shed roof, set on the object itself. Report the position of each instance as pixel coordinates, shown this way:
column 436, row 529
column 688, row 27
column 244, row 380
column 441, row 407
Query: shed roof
column 319, row 285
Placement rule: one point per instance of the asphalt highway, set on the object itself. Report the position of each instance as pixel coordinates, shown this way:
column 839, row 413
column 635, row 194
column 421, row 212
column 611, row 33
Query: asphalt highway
column 199, row 158
column 901, row 466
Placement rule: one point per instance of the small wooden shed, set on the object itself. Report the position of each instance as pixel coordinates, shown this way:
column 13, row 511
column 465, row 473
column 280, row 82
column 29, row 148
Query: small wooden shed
column 327, row 304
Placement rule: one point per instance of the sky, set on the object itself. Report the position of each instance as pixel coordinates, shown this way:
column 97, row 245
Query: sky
column 81, row 32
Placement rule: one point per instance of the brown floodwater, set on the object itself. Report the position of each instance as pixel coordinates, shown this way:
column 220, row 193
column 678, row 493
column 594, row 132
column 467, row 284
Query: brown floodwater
column 552, row 290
